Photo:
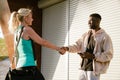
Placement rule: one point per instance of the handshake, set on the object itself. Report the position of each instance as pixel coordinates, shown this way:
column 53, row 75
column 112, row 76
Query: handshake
column 63, row 50
column 87, row 55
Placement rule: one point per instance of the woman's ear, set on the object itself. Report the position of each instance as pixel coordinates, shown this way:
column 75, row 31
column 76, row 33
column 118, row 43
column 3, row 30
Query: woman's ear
column 25, row 19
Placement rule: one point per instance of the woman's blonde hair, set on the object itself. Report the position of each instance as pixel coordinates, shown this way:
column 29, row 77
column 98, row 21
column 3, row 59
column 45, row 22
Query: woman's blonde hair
column 17, row 17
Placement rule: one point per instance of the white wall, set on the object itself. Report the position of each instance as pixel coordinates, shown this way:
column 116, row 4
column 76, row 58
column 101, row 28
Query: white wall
column 55, row 27
column 110, row 12
column 63, row 25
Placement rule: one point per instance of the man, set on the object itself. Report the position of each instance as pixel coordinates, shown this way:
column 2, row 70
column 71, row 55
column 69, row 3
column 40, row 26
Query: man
column 95, row 48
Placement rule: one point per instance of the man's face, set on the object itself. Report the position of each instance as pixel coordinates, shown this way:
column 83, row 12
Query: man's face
column 93, row 23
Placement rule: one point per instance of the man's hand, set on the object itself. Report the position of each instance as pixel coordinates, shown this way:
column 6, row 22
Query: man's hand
column 87, row 55
column 82, row 55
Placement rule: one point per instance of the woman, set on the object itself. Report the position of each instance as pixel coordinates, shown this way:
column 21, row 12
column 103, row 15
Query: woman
column 22, row 20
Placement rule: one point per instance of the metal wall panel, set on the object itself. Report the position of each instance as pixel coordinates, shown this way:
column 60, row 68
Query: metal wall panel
column 55, row 27
column 79, row 13
column 63, row 25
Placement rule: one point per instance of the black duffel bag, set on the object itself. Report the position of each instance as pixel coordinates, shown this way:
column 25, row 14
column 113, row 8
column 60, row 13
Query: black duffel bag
column 24, row 73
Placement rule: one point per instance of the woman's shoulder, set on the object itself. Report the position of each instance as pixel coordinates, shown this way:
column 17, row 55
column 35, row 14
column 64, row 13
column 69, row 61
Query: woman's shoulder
column 28, row 29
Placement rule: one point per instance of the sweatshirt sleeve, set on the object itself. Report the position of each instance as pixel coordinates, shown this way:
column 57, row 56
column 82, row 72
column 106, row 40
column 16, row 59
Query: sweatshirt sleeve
column 77, row 47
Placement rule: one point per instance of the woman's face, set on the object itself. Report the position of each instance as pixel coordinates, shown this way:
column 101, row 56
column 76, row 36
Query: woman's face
column 28, row 19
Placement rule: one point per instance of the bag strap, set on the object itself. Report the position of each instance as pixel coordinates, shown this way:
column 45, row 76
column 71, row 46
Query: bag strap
column 18, row 39
column 15, row 51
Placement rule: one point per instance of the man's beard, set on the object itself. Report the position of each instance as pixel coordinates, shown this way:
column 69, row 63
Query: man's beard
column 93, row 27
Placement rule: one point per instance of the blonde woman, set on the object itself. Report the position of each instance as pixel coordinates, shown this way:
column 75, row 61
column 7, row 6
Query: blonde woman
column 22, row 19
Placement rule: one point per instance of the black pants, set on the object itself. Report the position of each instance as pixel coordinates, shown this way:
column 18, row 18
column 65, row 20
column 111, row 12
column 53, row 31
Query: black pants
column 25, row 73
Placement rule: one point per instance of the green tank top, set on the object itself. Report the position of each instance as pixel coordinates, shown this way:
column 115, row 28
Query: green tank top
column 25, row 53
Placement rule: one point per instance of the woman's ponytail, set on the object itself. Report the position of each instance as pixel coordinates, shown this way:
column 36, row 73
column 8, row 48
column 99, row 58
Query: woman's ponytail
column 13, row 22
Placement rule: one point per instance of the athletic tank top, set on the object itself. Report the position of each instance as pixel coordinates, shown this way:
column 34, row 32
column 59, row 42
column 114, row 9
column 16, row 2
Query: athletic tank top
column 25, row 53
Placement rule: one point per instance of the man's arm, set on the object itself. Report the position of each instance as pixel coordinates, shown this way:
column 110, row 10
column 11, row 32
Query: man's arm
column 73, row 48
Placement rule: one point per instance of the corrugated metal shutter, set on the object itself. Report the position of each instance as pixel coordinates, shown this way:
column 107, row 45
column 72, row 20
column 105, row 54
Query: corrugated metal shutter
column 79, row 13
column 55, row 27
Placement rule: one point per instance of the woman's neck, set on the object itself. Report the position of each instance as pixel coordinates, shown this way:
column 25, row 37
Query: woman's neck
column 23, row 24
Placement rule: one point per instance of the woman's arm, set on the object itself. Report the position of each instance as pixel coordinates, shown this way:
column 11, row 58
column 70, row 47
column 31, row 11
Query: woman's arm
column 35, row 37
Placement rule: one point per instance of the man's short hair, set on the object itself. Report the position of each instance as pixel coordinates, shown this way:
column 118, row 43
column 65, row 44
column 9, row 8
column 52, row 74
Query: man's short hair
column 96, row 15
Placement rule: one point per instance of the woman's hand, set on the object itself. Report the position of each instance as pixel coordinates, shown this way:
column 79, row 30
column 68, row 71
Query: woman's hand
column 63, row 50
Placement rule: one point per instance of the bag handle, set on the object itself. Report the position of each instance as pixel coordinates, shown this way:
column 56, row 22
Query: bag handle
column 15, row 51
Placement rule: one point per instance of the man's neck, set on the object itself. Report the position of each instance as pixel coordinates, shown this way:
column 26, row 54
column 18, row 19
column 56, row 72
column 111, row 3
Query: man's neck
column 97, row 29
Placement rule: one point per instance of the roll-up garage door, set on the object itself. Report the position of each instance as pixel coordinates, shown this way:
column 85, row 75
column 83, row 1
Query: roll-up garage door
column 79, row 11
column 55, row 26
